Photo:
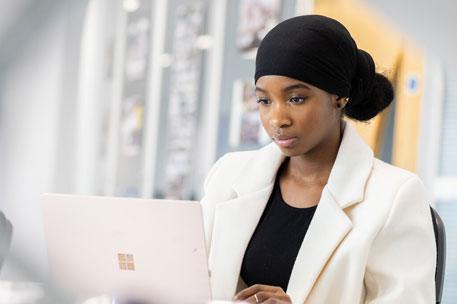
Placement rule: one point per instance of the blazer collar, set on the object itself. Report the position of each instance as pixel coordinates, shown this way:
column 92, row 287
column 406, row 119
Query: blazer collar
column 347, row 178
column 236, row 219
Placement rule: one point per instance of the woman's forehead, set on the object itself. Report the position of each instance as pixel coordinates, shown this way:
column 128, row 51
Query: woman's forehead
column 279, row 82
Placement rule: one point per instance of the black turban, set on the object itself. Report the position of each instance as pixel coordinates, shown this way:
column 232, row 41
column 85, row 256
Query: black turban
column 320, row 51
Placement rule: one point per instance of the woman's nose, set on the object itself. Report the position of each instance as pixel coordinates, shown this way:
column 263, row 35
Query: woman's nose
column 280, row 118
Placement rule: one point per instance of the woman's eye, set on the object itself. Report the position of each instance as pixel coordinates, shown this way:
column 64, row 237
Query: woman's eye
column 297, row 100
column 263, row 101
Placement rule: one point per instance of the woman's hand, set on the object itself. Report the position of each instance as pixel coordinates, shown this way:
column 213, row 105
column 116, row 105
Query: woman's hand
column 263, row 294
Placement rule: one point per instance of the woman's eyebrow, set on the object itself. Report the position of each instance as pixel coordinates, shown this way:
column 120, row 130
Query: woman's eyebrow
column 260, row 89
column 296, row 86
column 288, row 88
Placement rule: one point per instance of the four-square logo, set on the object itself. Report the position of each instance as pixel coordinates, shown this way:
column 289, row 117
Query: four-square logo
column 126, row 261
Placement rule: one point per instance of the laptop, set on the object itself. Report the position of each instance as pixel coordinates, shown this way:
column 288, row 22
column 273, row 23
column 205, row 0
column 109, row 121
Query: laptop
column 147, row 250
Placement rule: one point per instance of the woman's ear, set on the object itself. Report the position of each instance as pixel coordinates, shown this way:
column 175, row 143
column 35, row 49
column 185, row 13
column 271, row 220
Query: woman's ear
column 340, row 101
column 336, row 101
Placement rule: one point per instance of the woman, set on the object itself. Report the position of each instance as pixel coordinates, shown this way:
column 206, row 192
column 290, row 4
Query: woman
column 313, row 217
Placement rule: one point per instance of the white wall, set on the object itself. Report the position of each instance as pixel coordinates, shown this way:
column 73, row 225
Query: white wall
column 30, row 136
column 428, row 23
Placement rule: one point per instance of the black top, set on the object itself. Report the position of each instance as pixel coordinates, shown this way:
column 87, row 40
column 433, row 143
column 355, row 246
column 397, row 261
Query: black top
column 274, row 246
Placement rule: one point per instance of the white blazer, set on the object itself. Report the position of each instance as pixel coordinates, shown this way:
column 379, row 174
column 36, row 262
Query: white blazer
column 371, row 239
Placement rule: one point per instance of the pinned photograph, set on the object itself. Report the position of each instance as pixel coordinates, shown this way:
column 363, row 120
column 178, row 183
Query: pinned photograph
column 137, row 49
column 132, row 126
column 245, row 126
column 257, row 17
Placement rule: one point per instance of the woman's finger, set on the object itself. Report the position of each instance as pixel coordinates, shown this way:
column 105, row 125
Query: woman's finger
column 250, row 291
column 261, row 296
column 275, row 301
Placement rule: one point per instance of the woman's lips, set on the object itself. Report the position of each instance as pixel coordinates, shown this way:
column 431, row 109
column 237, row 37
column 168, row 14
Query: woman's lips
column 285, row 142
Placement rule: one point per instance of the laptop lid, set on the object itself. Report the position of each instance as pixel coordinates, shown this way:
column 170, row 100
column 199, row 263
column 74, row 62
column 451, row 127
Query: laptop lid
column 146, row 249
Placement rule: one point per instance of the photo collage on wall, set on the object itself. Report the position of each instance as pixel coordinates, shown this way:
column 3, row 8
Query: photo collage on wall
column 257, row 17
column 132, row 120
column 246, row 129
column 133, row 103
column 106, row 112
column 183, row 98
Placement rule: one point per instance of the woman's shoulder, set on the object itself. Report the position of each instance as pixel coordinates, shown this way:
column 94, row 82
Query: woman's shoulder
column 237, row 160
column 391, row 194
column 237, row 156
column 393, row 179
column 386, row 170
column 229, row 166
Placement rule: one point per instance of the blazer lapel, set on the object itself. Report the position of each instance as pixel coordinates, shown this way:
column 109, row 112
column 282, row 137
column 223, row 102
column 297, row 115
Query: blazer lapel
column 236, row 219
column 330, row 223
column 234, row 224
column 328, row 228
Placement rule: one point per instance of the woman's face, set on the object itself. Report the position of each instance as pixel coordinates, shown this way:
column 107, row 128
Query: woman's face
column 299, row 117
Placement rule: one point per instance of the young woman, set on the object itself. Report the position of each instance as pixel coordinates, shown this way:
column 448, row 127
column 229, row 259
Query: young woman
column 314, row 217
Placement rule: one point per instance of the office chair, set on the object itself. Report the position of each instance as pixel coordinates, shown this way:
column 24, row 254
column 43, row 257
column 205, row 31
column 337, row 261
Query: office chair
column 440, row 239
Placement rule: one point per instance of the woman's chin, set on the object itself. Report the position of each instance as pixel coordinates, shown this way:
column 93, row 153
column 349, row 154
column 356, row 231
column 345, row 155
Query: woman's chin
column 290, row 152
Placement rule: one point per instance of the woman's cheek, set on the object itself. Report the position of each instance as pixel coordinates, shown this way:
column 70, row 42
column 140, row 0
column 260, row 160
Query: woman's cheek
column 265, row 121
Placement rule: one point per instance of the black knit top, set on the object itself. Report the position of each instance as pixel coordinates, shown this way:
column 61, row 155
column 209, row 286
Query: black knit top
column 274, row 246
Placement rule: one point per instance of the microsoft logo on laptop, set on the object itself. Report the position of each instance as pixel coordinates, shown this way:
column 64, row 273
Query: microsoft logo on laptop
column 126, row 261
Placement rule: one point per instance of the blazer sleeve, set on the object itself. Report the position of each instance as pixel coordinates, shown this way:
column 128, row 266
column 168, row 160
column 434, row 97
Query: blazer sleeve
column 401, row 265
column 209, row 199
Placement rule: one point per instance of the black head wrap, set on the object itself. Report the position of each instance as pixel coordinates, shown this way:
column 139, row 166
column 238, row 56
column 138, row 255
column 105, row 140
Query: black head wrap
column 320, row 51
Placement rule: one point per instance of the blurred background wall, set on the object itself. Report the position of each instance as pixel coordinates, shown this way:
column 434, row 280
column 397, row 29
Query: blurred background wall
column 140, row 97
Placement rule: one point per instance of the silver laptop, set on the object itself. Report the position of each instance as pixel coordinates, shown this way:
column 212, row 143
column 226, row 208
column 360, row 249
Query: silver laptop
column 139, row 249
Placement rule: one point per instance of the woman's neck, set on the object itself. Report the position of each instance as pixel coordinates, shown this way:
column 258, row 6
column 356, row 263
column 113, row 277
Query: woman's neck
column 315, row 166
